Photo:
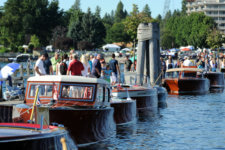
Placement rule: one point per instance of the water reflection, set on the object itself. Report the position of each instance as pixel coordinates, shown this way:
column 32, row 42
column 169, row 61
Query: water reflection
column 189, row 122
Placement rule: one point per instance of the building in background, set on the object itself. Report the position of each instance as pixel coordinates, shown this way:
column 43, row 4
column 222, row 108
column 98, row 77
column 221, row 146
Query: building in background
column 212, row 8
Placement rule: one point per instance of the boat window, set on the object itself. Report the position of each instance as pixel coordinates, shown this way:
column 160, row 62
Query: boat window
column 77, row 92
column 44, row 90
column 100, row 97
column 106, row 94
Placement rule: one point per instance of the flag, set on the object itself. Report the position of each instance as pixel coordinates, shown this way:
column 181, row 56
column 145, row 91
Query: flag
column 38, row 101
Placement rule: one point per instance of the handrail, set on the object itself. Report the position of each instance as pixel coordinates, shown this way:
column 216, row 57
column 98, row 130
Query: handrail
column 185, row 69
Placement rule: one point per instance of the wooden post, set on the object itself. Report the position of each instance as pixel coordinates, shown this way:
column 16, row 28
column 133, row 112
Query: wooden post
column 154, row 54
column 1, row 88
column 21, row 75
column 28, row 69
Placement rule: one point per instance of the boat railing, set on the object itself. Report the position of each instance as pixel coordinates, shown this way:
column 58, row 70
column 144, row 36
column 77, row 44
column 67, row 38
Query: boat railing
column 184, row 72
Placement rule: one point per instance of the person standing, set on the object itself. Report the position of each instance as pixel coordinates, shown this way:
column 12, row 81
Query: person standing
column 54, row 61
column 114, row 66
column 187, row 61
column 39, row 65
column 62, row 66
column 86, row 65
column 75, row 67
column 163, row 67
column 128, row 64
column 96, row 67
column 48, row 65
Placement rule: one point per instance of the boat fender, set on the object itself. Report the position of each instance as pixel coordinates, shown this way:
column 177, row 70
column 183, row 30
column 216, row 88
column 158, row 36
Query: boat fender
column 61, row 125
column 54, row 124
column 63, row 142
column 30, row 121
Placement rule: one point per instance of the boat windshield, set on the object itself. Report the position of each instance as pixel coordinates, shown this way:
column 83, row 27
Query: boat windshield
column 77, row 92
column 44, row 90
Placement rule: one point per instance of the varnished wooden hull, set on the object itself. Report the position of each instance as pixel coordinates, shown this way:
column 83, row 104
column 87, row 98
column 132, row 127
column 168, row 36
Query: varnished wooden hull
column 124, row 111
column 187, row 86
column 216, row 81
column 86, row 125
column 26, row 138
column 146, row 98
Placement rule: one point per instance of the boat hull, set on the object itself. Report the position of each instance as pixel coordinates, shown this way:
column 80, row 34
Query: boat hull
column 216, row 81
column 146, row 99
column 86, row 125
column 124, row 111
column 26, row 139
column 187, row 86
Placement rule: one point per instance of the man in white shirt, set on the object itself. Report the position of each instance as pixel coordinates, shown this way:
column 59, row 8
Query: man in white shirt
column 187, row 62
column 39, row 65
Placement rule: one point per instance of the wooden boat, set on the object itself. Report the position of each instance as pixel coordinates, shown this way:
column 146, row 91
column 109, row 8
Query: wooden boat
column 34, row 136
column 124, row 110
column 216, row 81
column 146, row 97
column 190, row 84
column 81, row 104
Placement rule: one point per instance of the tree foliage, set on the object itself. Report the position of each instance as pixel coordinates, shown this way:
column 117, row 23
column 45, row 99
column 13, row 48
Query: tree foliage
column 187, row 30
column 215, row 39
column 120, row 14
column 86, row 27
column 35, row 41
column 146, row 10
column 117, row 34
column 23, row 18
column 131, row 22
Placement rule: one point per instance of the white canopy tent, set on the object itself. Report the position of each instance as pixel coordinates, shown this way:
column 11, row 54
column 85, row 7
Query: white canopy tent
column 111, row 47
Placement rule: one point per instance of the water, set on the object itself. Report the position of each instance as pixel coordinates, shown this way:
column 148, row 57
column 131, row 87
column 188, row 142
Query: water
column 189, row 122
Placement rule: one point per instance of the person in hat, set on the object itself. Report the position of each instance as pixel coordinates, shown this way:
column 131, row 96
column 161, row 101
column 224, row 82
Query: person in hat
column 39, row 65
column 187, row 61
column 54, row 61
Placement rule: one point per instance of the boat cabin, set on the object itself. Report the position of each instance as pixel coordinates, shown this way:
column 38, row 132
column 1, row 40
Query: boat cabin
column 63, row 90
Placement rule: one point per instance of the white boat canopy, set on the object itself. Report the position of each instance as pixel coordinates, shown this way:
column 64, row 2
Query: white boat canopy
column 185, row 69
column 66, row 78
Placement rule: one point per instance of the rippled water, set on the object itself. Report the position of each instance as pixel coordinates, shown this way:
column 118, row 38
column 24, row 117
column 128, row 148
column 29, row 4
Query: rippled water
column 189, row 122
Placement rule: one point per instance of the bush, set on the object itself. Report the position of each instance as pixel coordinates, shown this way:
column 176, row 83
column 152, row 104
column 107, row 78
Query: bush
column 21, row 49
column 4, row 50
column 13, row 48
column 31, row 46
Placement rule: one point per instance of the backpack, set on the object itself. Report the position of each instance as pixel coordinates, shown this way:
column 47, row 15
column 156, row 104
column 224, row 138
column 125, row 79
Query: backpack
column 63, row 68
column 170, row 66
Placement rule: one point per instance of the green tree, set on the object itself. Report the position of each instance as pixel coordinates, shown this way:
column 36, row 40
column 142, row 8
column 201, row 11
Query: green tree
column 35, row 41
column 23, row 18
column 131, row 22
column 117, row 34
column 146, row 10
column 188, row 30
column 98, row 12
column 184, row 8
column 76, row 6
column 75, row 27
column 167, row 40
column 215, row 39
column 86, row 27
column 120, row 14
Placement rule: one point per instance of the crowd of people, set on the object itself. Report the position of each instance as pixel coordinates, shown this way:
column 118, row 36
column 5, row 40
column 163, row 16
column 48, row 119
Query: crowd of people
column 88, row 65
column 203, row 61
